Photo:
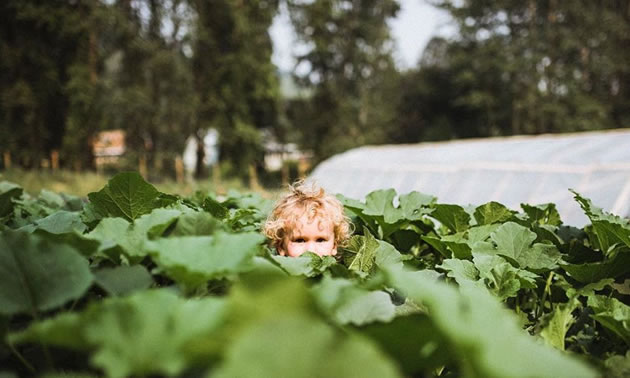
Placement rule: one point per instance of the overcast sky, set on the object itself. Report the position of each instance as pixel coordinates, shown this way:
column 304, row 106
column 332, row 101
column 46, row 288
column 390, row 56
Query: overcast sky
column 416, row 23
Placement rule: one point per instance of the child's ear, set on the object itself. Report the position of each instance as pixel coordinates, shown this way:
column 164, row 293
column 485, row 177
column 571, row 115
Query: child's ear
column 334, row 250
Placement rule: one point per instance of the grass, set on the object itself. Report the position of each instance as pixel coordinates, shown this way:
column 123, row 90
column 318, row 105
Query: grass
column 61, row 181
column 82, row 183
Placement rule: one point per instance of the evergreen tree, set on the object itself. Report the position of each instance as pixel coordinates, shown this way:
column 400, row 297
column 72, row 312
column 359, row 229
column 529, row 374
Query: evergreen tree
column 528, row 67
column 39, row 42
column 150, row 80
column 235, row 81
column 349, row 70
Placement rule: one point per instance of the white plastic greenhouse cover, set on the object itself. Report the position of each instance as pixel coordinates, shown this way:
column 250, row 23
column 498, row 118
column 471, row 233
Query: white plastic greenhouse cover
column 510, row 170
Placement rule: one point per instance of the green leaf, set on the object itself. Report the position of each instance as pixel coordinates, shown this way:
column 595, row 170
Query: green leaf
column 586, row 290
column 278, row 331
column 8, row 191
column 38, row 275
column 194, row 260
column 454, row 217
column 87, row 247
column 349, row 304
column 7, row 186
column 146, row 333
column 561, row 319
column 62, row 222
column 547, row 233
column 364, row 248
column 492, row 212
column 126, row 195
column 386, row 254
column 305, row 348
column 248, row 201
column 365, row 252
column 612, row 314
column 463, row 271
column 51, row 199
column 544, row 214
column 480, row 233
column 485, row 338
column 62, row 330
column 458, row 245
column 593, row 272
column 196, row 223
column 415, row 204
column 123, row 280
column 215, row 208
column 515, row 242
column 380, row 203
column 154, row 224
column 618, row 366
column 112, row 232
column 438, row 244
column 608, row 229
column 413, row 341
column 307, row 264
column 501, row 277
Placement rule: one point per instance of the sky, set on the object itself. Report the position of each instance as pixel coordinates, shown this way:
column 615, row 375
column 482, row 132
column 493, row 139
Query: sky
column 417, row 22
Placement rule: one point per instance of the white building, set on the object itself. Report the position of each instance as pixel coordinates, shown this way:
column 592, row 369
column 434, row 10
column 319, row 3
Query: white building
column 211, row 151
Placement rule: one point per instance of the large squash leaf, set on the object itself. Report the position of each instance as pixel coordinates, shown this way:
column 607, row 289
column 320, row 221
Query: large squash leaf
column 146, row 333
column 39, row 275
column 126, row 195
column 485, row 337
column 193, row 260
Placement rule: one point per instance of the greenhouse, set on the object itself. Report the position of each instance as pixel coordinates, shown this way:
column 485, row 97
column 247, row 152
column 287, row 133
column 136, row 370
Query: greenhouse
column 510, row 170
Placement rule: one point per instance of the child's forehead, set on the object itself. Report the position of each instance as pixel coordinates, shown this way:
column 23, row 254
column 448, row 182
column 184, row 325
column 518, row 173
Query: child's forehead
column 303, row 221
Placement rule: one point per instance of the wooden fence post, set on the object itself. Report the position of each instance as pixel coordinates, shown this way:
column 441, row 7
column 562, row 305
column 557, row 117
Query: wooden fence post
column 179, row 170
column 54, row 159
column 142, row 165
column 285, row 173
column 6, row 156
column 253, row 177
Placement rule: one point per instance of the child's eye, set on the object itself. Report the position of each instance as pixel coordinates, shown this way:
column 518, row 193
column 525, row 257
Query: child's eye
column 321, row 240
column 299, row 240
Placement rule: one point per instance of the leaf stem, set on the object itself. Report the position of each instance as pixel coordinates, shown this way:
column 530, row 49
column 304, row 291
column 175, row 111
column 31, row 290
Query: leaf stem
column 21, row 358
column 47, row 356
column 545, row 293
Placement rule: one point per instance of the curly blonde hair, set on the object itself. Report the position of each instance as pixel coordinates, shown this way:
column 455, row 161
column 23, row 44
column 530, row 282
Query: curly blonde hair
column 310, row 199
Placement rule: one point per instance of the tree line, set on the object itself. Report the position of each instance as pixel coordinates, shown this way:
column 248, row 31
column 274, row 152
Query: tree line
column 163, row 70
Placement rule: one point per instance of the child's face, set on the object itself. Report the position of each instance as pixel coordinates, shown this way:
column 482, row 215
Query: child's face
column 316, row 236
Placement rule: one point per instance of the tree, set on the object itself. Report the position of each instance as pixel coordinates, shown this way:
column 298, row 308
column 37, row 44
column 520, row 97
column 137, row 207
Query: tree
column 150, row 79
column 39, row 43
column 235, row 81
column 537, row 66
column 349, row 69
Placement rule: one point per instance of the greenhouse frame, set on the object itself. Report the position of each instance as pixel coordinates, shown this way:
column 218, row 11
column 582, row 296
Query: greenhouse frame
column 509, row 170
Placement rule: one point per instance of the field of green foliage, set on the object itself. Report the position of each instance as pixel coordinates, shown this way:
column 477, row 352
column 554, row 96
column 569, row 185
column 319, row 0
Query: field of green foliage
column 135, row 282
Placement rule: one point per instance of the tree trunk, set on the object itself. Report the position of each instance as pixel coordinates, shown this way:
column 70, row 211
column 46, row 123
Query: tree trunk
column 201, row 155
column 142, row 165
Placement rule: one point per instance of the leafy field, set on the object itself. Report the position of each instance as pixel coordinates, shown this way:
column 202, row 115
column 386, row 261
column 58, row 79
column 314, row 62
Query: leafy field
column 137, row 282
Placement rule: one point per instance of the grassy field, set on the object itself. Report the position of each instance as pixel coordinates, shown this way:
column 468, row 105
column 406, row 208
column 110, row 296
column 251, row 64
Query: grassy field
column 82, row 183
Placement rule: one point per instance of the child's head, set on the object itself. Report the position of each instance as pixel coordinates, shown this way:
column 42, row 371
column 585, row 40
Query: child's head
column 307, row 219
